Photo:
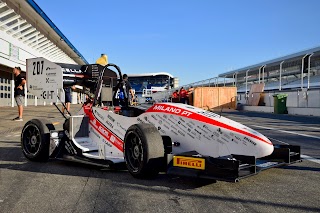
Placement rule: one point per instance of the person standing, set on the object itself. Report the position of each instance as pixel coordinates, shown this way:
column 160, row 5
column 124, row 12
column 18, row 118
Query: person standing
column 19, row 83
column 183, row 95
column 175, row 97
column 67, row 98
column 125, row 91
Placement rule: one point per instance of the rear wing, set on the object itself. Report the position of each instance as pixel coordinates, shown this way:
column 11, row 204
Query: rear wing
column 44, row 79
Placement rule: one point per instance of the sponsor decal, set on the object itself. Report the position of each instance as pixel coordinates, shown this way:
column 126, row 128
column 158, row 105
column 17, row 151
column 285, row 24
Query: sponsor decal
column 189, row 125
column 220, row 141
column 110, row 118
column 182, row 120
column 209, row 139
column 162, row 119
column 71, row 70
column 98, row 114
column 191, row 136
column 194, row 133
column 35, row 88
column 166, row 126
column 226, row 136
column 173, row 127
column 47, row 94
column 106, row 142
column 154, row 117
column 109, row 124
column 197, row 131
column 181, row 133
column 121, row 127
column 50, row 68
column 171, row 121
column 189, row 162
column 50, row 81
column 250, row 141
column 179, row 122
column 139, row 120
column 174, row 132
column 205, row 132
column 226, row 140
column 215, row 134
column 70, row 148
column 162, row 131
column 171, row 109
column 239, row 139
column 51, row 74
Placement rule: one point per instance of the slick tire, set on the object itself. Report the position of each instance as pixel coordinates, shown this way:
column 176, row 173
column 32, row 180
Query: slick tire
column 35, row 139
column 143, row 151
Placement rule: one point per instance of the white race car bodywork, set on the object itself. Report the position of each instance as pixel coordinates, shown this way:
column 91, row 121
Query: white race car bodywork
column 192, row 128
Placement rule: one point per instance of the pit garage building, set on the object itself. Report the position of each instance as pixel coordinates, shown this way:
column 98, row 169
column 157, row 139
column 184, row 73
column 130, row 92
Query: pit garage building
column 27, row 32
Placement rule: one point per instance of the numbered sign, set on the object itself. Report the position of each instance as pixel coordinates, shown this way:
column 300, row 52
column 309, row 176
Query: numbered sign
column 44, row 78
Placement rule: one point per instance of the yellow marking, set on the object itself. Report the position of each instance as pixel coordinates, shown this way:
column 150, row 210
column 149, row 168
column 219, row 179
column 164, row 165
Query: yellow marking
column 55, row 123
column 189, row 162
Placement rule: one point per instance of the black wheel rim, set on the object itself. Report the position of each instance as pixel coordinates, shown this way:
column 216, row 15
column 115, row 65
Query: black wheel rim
column 134, row 152
column 31, row 138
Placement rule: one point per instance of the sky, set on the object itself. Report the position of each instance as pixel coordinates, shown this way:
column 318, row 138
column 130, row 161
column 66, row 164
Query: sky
column 193, row 40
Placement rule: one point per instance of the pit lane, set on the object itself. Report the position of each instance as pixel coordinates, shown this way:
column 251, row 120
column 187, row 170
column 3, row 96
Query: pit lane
column 58, row 186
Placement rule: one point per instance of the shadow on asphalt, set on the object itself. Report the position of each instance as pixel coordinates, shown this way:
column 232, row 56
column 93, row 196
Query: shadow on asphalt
column 177, row 187
column 53, row 166
column 61, row 167
column 302, row 168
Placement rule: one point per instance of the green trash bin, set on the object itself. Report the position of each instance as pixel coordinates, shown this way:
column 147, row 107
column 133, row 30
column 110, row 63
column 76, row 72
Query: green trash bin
column 280, row 103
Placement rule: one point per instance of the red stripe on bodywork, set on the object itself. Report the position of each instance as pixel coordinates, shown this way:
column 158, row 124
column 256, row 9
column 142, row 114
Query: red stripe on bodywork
column 174, row 110
column 104, row 132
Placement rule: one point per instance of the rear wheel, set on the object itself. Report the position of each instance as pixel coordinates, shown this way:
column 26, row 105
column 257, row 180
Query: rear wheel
column 143, row 151
column 35, row 139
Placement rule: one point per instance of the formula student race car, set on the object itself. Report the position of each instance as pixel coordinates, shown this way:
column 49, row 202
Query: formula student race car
column 174, row 138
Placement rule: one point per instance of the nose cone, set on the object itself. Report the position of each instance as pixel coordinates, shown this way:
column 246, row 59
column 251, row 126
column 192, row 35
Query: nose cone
column 264, row 147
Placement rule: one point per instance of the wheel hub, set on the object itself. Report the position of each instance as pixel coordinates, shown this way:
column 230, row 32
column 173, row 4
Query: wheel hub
column 136, row 152
column 33, row 140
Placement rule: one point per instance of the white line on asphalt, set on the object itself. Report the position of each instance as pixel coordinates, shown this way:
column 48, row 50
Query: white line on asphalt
column 294, row 133
column 313, row 127
column 310, row 159
column 273, row 139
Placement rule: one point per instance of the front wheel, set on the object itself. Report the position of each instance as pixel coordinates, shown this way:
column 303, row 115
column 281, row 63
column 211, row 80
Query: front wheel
column 35, row 139
column 143, row 151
